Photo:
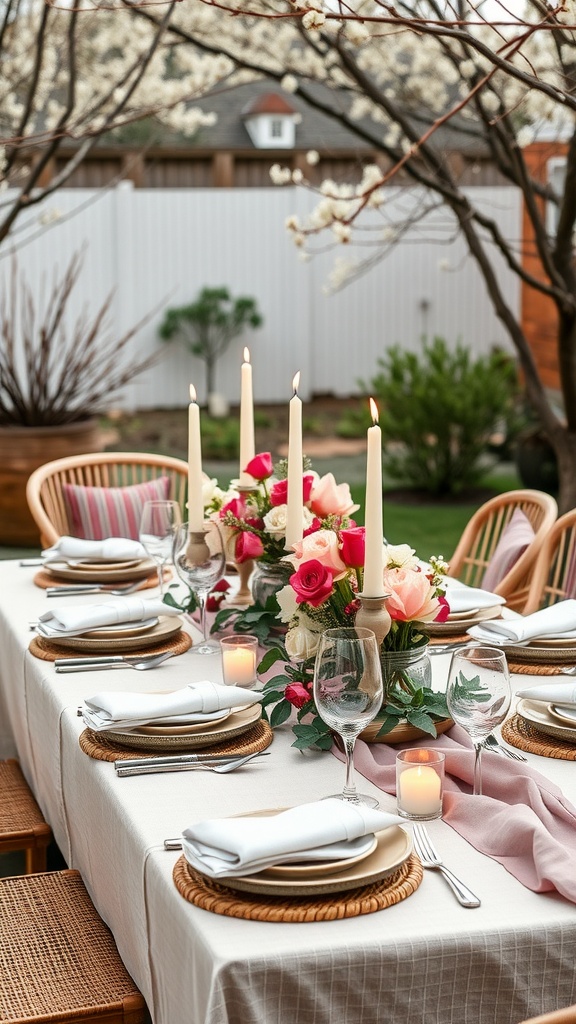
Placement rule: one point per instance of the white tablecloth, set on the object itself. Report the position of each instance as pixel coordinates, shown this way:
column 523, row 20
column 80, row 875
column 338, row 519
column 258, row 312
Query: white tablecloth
column 423, row 961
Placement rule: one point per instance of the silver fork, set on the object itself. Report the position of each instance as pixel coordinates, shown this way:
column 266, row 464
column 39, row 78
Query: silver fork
column 123, row 770
column 89, row 588
column 491, row 743
column 430, row 859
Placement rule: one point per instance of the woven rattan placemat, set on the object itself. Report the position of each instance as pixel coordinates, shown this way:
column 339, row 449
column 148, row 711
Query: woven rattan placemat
column 250, row 742
column 525, row 669
column 47, row 651
column 45, row 579
column 522, row 734
column 212, row 896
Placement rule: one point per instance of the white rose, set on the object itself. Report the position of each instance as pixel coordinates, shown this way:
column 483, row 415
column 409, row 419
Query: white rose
column 301, row 643
column 275, row 521
column 287, row 602
column 400, row 556
column 210, row 491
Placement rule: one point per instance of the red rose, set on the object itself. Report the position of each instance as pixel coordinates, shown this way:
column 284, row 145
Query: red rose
column 297, row 695
column 443, row 611
column 260, row 467
column 248, row 545
column 215, row 598
column 312, row 583
column 315, row 525
column 352, row 546
column 307, row 482
column 279, row 493
column 237, row 506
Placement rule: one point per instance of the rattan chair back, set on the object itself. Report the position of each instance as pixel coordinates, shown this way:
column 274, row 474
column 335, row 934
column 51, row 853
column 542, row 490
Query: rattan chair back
column 103, row 469
column 483, row 531
column 22, row 825
column 554, row 574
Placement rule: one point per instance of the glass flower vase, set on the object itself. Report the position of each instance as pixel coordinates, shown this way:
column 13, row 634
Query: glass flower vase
column 408, row 670
column 268, row 579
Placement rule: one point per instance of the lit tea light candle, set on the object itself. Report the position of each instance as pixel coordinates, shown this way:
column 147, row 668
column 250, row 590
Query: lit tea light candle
column 420, row 791
column 195, row 476
column 239, row 653
column 373, row 580
column 295, row 496
column 247, row 450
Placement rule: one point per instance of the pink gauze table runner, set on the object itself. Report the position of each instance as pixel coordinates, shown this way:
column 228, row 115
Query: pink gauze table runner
column 521, row 820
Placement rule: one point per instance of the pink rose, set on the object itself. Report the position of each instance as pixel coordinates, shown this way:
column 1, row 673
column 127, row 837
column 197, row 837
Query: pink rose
column 312, row 583
column 314, row 526
column 248, row 545
column 260, row 467
column 297, row 695
column 411, row 595
column 279, row 493
column 331, row 499
column 352, row 546
column 237, row 506
column 321, row 546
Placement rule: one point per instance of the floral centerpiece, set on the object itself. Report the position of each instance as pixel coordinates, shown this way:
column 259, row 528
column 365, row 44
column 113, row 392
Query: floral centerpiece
column 322, row 593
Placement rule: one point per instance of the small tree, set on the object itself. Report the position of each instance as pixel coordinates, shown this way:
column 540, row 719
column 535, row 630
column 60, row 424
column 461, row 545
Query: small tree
column 207, row 326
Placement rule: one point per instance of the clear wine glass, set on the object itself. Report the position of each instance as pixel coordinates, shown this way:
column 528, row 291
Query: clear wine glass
column 478, row 696
column 200, row 561
column 348, row 692
column 158, row 523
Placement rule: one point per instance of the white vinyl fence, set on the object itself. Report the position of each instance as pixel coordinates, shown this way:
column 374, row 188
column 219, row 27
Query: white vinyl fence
column 156, row 248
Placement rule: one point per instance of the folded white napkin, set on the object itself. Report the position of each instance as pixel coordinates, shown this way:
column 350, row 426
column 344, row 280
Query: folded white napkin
column 230, row 847
column 463, row 599
column 125, row 710
column 552, row 693
column 113, row 549
column 74, row 619
column 558, row 622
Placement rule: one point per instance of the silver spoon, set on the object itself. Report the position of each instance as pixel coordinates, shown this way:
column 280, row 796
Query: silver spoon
column 84, row 665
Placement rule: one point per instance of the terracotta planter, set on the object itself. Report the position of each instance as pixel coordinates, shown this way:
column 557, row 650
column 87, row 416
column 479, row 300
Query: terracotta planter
column 22, row 450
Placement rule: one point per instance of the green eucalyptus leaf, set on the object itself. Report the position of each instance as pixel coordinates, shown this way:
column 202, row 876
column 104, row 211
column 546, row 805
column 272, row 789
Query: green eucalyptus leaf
column 280, row 713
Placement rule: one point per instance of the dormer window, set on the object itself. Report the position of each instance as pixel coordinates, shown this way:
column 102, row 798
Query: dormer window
column 271, row 122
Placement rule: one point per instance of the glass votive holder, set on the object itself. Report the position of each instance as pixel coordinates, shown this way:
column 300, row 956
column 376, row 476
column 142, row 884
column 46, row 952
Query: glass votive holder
column 419, row 784
column 239, row 658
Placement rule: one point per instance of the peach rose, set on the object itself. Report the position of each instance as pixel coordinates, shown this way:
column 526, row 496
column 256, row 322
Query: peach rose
column 328, row 498
column 322, row 545
column 411, row 595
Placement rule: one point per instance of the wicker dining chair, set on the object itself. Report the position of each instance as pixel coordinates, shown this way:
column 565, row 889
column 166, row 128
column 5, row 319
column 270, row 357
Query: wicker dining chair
column 485, row 533
column 58, row 960
column 554, row 574
column 44, row 491
column 22, row 825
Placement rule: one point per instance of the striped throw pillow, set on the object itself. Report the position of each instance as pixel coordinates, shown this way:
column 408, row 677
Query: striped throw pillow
column 95, row 513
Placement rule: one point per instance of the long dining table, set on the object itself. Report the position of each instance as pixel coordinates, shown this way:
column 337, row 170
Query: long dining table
column 425, row 960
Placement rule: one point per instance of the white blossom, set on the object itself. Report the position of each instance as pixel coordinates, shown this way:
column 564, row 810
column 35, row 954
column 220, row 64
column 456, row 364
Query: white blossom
column 280, row 175
column 312, row 157
column 313, row 19
column 289, row 83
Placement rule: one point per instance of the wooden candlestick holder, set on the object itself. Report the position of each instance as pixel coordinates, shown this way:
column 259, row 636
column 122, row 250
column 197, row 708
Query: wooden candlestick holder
column 373, row 614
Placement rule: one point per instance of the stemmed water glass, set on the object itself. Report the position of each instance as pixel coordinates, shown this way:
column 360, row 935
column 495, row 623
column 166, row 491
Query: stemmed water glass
column 348, row 692
column 200, row 561
column 478, row 696
column 158, row 523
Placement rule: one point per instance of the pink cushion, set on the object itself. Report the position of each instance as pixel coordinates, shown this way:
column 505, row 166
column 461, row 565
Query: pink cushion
column 515, row 538
column 95, row 513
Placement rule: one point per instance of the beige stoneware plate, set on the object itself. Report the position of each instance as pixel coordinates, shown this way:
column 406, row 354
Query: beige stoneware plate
column 536, row 712
column 565, row 715
column 121, row 629
column 456, row 625
column 187, row 729
column 103, row 566
column 393, row 847
column 537, row 654
column 96, row 574
column 166, row 627
column 238, row 723
column 320, row 869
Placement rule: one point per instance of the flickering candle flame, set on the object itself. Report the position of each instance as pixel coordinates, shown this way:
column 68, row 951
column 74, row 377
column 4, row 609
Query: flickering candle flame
column 246, row 355
column 374, row 411
column 296, row 382
column 192, row 393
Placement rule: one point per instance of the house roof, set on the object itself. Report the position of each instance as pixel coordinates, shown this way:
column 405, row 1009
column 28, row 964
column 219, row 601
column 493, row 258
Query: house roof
column 268, row 103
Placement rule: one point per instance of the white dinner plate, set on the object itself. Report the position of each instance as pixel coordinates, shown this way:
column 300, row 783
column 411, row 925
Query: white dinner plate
column 121, row 629
column 167, row 626
column 176, row 727
column 238, row 722
column 566, row 715
column 359, row 849
column 460, row 622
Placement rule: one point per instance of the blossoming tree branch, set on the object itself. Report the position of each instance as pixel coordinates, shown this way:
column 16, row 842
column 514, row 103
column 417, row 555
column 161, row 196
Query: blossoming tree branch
column 438, row 90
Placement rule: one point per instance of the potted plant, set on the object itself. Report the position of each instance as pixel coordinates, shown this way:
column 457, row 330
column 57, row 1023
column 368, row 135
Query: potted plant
column 54, row 380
